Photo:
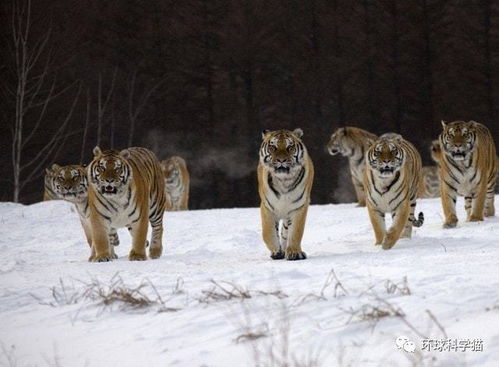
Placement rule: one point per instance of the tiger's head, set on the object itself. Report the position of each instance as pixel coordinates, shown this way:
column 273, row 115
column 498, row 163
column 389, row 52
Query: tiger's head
column 69, row 182
column 340, row 142
column 386, row 157
column 282, row 151
column 348, row 141
column 458, row 139
column 170, row 169
column 110, row 173
column 436, row 151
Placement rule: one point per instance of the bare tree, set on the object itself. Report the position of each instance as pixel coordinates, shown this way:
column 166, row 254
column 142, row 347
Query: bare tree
column 102, row 104
column 35, row 88
column 85, row 130
column 135, row 107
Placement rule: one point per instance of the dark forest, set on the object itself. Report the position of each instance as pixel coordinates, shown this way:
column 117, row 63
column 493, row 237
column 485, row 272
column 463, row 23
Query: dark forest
column 202, row 79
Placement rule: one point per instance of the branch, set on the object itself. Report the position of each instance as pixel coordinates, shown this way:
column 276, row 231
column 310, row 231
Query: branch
column 46, row 151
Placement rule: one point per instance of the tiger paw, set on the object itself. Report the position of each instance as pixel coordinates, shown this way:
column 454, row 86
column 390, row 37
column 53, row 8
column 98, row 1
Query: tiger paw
column 100, row 258
column 155, row 253
column 452, row 224
column 135, row 256
column 387, row 245
column 475, row 218
column 299, row 255
column 489, row 212
column 278, row 255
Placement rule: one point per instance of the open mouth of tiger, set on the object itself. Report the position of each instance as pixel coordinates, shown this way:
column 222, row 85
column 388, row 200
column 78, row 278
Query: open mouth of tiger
column 74, row 194
column 458, row 156
column 108, row 190
column 386, row 171
column 281, row 169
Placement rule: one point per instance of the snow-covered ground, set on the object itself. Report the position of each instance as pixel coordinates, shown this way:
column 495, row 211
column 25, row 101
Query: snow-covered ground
column 343, row 306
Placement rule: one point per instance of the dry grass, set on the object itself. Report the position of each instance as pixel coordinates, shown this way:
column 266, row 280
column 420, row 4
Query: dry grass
column 332, row 281
column 226, row 291
column 116, row 293
column 401, row 288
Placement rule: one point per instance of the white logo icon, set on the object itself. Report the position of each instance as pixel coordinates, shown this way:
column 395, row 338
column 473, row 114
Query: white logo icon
column 405, row 344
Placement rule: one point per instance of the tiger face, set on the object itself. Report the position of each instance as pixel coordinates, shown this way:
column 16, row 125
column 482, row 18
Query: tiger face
column 69, row 182
column 170, row 170
column 385, row 157
column 282, row 151
column 458, row 139
column 339, row 142
column 110, row 172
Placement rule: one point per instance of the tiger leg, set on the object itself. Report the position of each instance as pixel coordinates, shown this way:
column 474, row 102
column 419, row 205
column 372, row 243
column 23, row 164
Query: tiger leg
column 156, row 238
column 293, row 251
column 378, row 222
column 100, row 240
column 490, row 210
column 283, row 238
column 407, row 232
column 478, row 204
column 468, row 200
column 270, row 227
column 139, row 237
column 88, row 232
column 448, row 196
column 184, row 201
column 359, row 192
column 400, row 220
column 114, row 240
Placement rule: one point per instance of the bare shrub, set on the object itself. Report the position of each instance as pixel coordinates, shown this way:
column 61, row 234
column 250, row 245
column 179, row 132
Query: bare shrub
column 116, row 293
column 331, row 280
column 401, row 288
column 225, row 291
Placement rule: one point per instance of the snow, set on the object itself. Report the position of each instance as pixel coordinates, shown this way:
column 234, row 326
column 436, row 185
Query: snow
column 453, row 277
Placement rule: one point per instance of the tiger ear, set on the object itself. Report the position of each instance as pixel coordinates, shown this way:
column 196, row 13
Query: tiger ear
column 298, row 132
column 472, row 123
column 264, row 133
column 97, row 151
column 55, row 166
column 125, row 153
column 369, row 142
column 444, row 124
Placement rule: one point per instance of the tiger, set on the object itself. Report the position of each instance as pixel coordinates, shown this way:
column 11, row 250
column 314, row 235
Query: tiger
column 391, row 180
column 352, row 142
column 467, row 168
column 127, row 189
column 436, row 151
column 48, row 192
column 430, row 187
column 70, row 183
column 176, row 183
column 285, row 177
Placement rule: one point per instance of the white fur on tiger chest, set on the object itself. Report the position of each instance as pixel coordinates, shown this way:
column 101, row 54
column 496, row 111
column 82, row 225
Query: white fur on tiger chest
column 284, row 201
column 124, row 214
column 385, row 198
column 467, row 181
column 175, row 191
